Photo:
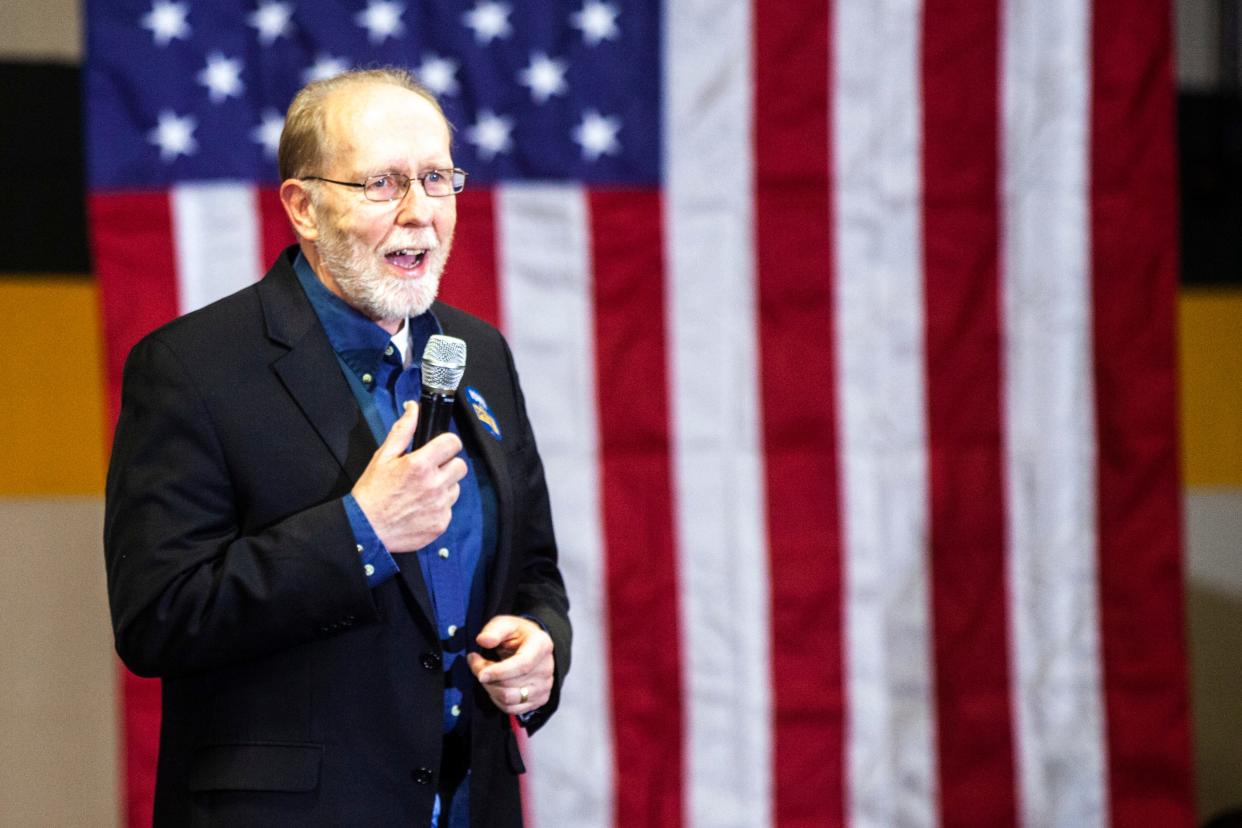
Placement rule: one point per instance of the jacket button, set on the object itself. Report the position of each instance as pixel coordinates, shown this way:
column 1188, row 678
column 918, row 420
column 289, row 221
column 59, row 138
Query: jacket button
column 431, row 661
column 422, row 776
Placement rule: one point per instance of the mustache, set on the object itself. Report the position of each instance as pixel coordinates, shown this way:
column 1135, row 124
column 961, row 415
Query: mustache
column 418, row 241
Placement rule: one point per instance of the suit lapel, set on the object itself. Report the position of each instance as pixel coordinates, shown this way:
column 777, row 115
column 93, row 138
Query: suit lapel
column 309, row 370
column 312, row 375
column 491, row 452
column 493, row 457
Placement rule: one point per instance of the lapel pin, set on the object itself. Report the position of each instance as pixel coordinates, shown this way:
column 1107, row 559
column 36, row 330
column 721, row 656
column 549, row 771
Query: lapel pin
column 479, row 406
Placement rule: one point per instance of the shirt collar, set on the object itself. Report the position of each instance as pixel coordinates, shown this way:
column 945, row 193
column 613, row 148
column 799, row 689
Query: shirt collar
column 354, row 337
column 401, row 340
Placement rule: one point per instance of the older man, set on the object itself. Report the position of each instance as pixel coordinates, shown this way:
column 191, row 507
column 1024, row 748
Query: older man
column 343, row 626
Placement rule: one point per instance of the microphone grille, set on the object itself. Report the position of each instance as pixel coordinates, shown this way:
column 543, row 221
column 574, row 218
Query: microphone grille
column 444, row 363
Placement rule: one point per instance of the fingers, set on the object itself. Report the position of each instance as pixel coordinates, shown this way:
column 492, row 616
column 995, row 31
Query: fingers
column 514, row 700
column 401, row 433
column 525, row 648
column 408, row 498
column 477, row 663
column 518, row 694
column 498, row 629
column 438, row 451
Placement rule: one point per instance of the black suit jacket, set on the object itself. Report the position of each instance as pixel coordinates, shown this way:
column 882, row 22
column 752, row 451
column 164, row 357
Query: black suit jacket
column 294, row 694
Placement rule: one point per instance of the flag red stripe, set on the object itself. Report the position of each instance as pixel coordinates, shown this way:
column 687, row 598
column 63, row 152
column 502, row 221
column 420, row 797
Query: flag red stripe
column 636, row 497
column 140, row 700
column 1134, row 267
column 132, row 245
column 131, row 238
column 966, row 485
column 470, row 280
column 797, row 377
column 275, row 234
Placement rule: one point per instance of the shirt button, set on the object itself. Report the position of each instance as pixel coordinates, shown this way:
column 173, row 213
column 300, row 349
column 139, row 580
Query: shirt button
column 452, row 630
column 455, row 710
column 389, row 351
column 370, row 570
column 358, row 547
column 443, row 553
column 367, row 379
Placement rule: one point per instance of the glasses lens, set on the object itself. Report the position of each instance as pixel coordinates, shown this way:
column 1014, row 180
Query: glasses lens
column 385, row 187
column 436, row 183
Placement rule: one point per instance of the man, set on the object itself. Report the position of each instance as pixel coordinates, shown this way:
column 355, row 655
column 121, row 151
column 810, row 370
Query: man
column 343, row 627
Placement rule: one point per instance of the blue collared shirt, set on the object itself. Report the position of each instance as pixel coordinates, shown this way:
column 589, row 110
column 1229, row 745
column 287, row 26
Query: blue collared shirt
column 450, row 564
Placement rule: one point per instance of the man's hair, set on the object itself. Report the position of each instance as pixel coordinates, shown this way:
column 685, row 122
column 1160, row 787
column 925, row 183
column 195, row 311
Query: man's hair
column 304, row 144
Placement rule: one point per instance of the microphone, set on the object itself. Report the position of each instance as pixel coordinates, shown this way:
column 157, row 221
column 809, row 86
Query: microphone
column 444, row 363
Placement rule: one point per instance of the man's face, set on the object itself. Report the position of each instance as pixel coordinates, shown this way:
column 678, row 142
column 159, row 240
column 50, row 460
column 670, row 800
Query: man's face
column 384, row 258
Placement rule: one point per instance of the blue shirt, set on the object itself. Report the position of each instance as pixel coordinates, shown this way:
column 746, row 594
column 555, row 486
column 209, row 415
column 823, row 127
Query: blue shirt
column 450, row 564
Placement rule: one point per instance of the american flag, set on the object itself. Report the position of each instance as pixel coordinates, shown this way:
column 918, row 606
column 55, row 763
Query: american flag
column 847, row 332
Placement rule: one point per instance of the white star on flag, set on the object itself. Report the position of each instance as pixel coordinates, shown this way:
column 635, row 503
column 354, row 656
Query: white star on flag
column 597, row 135
column 325, row 67
column 491, row 133
column 222, row 77
column 545, row 76
column 174, row 135
column 489, row 20
column 268, row 132
column 381, row 19
column 438, row 74
column 167, row 21
column 597, row 21
column 274, row 20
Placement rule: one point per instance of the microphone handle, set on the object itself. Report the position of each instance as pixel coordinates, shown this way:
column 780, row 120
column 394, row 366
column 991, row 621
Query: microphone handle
column 434, row 411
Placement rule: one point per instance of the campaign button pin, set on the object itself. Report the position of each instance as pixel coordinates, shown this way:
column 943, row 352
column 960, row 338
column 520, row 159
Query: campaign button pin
column 479, row 406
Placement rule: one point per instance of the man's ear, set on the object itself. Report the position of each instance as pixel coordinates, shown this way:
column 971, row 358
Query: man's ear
column 295, row 197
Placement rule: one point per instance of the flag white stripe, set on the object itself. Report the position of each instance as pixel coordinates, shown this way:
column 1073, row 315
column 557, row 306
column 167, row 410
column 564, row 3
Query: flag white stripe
column 546, row 304
column 216, row 239
column 1049, row 414
column 879, row 306
column 718, row 467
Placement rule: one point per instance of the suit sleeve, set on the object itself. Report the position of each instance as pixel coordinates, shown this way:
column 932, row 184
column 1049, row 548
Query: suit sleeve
column 188, row 591
column 540, row 589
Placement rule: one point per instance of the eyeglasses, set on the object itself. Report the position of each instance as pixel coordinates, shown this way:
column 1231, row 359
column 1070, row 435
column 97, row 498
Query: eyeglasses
column 393, row 186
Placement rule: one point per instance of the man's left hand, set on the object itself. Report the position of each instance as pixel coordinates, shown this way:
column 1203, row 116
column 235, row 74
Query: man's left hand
column 521, row 680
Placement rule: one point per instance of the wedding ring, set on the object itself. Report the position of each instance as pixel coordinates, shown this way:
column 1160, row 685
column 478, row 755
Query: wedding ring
column 524, row 695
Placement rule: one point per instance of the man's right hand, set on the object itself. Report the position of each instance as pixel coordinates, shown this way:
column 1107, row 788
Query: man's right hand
column 408, row 498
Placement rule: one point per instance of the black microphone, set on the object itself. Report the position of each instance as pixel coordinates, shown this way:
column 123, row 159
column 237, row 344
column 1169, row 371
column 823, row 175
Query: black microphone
column 444, row 362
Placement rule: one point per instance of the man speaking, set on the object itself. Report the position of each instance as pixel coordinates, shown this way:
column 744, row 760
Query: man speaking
column 343, row 625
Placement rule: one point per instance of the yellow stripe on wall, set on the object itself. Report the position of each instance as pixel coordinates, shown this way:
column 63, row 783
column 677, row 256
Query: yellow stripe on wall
column 1211, row 386
column 51, row 382
column 51, row 377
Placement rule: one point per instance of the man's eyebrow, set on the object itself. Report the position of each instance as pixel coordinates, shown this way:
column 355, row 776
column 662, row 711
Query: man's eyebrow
column 403, row 168
column 383, row 170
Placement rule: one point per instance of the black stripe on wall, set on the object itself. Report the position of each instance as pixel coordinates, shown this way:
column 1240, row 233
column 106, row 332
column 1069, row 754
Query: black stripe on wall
column 42, row 177
column 1210, row 152
column 42, row 170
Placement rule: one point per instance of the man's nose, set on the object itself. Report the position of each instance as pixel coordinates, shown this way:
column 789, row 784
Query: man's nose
column 415, row 207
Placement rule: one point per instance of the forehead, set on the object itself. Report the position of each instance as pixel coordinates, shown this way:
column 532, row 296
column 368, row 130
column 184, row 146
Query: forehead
column 375, row 126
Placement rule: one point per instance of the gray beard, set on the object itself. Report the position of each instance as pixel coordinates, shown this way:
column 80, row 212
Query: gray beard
column 371, row 290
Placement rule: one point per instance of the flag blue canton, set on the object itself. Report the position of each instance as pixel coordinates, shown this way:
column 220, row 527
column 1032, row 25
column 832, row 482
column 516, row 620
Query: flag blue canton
column 550, row 91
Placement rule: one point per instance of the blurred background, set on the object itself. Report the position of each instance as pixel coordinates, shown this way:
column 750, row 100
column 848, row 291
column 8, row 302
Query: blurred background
column 60, row 755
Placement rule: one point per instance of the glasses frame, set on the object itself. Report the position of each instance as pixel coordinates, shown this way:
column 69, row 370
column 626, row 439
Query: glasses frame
column 451, row 173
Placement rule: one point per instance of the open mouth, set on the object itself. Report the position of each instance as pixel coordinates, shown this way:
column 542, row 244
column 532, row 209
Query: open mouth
column 407, row 258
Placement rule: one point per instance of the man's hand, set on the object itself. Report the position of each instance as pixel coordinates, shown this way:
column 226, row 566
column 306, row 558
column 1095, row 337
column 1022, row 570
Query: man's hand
column 522, row 680
column 408, row 498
